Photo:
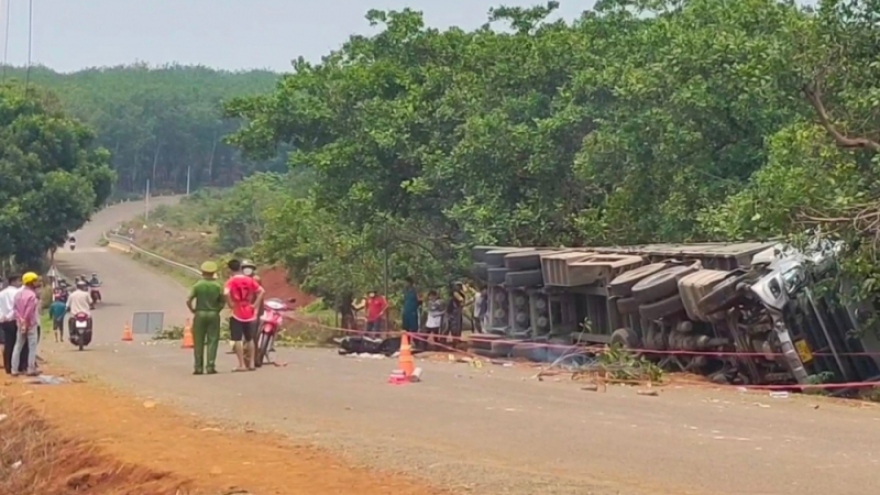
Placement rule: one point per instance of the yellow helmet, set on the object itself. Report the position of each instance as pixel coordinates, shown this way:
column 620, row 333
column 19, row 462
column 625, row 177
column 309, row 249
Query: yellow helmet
column 29, row 278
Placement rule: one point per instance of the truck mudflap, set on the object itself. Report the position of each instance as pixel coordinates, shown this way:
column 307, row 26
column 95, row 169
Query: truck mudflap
column 821, row 332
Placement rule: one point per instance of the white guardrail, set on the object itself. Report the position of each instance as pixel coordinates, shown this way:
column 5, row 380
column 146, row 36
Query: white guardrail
column 129, row 244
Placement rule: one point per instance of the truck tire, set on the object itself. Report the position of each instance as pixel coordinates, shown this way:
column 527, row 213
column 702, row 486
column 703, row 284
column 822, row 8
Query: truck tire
column 625, row 338
column 483, row 341
column 661, row 285
column 503, row 348
column 528, row 278
column 478, row 253
column 662, row 308
column 480, row 271
column 487, row 354
column 527, row 260
column 722, row 297
column 495, row 258
column 628, row 305
column 496, row 276
column 622, row 285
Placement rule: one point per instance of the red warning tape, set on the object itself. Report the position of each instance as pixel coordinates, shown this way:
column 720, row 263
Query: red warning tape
column 442, row 340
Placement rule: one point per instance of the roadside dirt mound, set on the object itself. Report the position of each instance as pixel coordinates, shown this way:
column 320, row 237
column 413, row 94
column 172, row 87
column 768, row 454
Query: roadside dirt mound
column 133, row 446
column 275, row 282
column 37, row 459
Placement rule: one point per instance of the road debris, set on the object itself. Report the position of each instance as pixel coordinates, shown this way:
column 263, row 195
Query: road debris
column 45, row 380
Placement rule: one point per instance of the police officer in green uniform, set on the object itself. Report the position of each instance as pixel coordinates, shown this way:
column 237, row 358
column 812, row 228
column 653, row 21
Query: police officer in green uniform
column 205, row 301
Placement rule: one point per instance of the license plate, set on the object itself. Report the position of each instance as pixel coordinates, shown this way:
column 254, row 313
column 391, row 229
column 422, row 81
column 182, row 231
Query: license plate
column 82, row 324
column 803, row 350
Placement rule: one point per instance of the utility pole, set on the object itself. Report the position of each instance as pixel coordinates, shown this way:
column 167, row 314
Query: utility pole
column 147, row 202
column 188, row 173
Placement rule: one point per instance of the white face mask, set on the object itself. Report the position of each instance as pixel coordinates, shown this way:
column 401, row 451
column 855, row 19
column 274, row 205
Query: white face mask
column 248, row 271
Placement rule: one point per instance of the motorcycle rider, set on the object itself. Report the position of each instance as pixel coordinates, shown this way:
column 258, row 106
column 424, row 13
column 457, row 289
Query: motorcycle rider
column 79, row 301
column 72, row 241
column 94, row 284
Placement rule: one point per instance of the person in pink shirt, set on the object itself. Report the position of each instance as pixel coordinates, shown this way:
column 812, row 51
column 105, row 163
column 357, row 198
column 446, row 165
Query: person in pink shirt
column 26, row 307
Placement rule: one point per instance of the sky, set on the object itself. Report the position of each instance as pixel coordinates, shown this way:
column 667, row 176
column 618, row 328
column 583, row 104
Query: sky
column 229, row 34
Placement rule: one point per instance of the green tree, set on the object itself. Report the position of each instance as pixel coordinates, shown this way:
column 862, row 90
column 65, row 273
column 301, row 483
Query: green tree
column 160, row 123
column 641, row 121
column 52, row 178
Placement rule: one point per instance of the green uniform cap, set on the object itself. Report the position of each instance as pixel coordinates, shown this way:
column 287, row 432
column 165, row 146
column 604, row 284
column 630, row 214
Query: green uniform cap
column 209, row 267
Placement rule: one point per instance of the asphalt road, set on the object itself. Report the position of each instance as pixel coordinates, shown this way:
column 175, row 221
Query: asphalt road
column 491, row 430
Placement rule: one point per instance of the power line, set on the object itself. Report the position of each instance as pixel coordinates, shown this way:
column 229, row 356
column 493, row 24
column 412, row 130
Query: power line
column 27, row 77
column 6, row 40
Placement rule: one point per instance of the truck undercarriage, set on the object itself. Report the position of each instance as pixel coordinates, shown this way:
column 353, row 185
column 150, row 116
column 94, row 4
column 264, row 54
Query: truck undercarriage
column 741, row 313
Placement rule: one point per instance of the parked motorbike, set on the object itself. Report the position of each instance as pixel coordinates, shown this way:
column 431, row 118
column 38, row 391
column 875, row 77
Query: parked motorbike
column 270, row 325
column 80, row 330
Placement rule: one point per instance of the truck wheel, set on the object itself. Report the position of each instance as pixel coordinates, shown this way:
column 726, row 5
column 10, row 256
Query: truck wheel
column 662, row 284
column 662, row 308
column 480, row 271
column 527, row 260
column 528, row 278
column 478, row 253
column 496, row 276
column 625, row 338
column 622, row 285
column 628, row 305
column 495, row 258
column 722, row 297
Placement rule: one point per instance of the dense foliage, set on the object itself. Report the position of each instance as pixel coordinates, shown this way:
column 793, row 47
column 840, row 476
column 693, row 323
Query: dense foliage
column 52, row 178
column 159, row 122
column 643, row 120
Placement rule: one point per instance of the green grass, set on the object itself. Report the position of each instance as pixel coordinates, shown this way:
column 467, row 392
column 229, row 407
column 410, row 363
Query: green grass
column 183, row 277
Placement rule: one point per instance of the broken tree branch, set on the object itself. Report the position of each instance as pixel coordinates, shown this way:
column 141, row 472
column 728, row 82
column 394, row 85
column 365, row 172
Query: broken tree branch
column 814, row 96
column 863, row 219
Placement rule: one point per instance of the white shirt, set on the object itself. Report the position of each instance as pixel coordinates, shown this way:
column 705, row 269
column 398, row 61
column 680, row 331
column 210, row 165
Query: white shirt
column 7, row 303
column 79, row 301
column 478, row 301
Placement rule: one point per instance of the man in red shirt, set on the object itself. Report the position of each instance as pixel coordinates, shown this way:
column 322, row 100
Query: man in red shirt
column 375, row 306
column 243, row 296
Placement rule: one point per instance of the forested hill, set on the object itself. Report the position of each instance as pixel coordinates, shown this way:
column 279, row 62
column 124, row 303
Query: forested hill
column 156, row 122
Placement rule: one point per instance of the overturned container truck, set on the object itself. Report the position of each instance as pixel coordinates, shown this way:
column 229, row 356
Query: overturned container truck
column 738, row 312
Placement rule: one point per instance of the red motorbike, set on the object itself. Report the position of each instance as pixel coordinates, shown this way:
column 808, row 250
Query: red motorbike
column 270, row 325
column 80, row 330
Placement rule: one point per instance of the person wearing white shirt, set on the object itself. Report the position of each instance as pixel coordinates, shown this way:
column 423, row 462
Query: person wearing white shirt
column 8, row 326
column 79, row 301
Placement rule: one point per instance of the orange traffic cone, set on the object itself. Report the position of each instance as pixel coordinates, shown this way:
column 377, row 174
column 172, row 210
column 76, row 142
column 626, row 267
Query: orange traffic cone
column 405, row 361
column 127, row 336
column 187, row 336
